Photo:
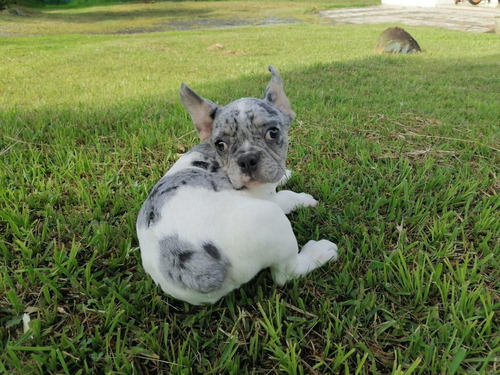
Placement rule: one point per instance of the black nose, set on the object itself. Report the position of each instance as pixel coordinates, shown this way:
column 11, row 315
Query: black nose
column 248, row 163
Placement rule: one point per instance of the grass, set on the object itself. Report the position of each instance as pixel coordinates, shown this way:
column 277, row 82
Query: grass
column 402, row 151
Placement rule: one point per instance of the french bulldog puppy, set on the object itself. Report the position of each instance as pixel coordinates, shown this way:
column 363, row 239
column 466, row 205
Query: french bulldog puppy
column 215, row 219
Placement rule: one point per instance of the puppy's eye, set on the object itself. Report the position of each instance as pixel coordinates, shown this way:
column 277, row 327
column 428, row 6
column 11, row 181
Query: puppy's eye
column 221, row 146
column 272, row 133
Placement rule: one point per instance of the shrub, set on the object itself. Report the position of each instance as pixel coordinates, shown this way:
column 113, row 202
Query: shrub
column 4, row 3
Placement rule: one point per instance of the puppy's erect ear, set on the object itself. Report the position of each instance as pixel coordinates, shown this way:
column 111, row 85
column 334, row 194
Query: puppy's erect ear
column 276, row 95
column 202, row 111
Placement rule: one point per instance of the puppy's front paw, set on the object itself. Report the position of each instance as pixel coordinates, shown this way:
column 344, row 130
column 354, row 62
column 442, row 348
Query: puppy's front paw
column 321, row 251
column 289, row 201
column 306, row 200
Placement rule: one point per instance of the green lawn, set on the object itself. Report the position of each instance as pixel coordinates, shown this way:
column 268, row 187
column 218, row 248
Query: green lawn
column 401, row 151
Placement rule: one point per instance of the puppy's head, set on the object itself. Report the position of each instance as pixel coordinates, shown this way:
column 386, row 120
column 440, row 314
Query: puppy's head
column 249, row 135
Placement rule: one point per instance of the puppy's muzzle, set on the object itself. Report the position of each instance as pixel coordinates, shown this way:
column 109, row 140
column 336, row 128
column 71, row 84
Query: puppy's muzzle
column 249, row 162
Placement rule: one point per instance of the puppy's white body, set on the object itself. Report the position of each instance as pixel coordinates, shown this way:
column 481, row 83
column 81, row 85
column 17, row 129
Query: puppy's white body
column 206, row 229
column 217, row 218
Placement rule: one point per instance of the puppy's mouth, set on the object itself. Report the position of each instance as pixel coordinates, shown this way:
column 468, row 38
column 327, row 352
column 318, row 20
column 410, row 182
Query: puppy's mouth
column 251, row 180
column 246, row 180
column 255, row 169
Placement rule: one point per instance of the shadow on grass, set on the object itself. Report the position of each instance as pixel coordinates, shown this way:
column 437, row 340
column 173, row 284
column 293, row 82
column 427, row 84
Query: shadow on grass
column 459, row 94
column 136, row 12
column 388, row 104
column 52, row 14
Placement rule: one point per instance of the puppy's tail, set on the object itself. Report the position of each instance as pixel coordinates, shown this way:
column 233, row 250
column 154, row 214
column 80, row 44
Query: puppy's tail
column 200, row 268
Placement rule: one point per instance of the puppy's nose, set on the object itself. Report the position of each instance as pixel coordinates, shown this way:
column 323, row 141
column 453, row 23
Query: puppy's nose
column 248, row 163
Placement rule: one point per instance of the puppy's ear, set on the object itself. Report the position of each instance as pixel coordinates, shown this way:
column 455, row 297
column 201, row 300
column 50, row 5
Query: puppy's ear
column 202, row 111
column 276, row 95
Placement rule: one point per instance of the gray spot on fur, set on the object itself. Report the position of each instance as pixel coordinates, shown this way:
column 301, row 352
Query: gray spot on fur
column 212, row 251
column 202, row 269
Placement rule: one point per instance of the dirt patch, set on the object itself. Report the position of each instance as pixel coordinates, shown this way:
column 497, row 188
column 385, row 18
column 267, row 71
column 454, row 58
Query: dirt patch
column 174, row 25
column 209, row 23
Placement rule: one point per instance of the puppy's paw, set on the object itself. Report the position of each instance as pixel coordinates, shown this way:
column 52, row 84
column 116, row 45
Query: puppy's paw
column 321, row 251
column 289, row 201
column 306, row 200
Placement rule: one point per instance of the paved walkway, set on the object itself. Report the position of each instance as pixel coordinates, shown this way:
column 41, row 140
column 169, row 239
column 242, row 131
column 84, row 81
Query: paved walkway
column 465, row 17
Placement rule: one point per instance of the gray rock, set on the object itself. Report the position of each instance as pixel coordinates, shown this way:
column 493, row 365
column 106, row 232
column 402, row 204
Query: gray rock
column 396, row 40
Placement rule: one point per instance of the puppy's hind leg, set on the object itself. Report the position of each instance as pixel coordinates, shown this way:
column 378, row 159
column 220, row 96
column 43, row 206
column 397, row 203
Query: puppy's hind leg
column 314, row 254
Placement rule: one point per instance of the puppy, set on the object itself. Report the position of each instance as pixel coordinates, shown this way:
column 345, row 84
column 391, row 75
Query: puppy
column 214, row 220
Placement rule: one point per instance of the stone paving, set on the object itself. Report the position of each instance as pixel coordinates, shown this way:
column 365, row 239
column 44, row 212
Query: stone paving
column 464, row 17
